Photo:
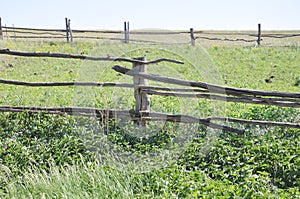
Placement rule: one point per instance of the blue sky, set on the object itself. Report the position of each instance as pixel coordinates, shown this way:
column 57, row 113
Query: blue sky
column 154, row 14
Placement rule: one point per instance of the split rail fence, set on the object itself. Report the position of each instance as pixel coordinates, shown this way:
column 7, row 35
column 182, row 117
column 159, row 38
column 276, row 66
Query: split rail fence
column 142, row 92
column 124, row 36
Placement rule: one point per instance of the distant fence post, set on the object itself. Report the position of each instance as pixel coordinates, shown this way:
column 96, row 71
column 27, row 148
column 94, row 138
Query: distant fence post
column 259, row 35
column 67, row 29
column 6, row 30
column 142, row 100
column 126, row 32
column 15, row 36
column 1, row 33
column 192, row 36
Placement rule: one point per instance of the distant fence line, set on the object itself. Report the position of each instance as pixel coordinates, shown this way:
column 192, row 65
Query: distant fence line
column 70, row 34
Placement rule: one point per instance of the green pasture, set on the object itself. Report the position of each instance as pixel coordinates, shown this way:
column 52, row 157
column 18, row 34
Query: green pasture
column 58, row 156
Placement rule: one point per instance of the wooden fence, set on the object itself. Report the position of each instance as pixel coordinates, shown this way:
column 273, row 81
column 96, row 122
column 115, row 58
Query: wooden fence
column 143, row 91
column 70, row 35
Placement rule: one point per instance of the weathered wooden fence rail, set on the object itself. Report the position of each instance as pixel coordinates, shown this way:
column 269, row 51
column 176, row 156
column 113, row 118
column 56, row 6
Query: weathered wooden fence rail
column 83, row 57
column 142, row 92
column 284, row 99
column 70, row 34
column 145, row 116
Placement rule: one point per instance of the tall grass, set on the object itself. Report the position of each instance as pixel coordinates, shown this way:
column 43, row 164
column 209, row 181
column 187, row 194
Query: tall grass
column 72, row 181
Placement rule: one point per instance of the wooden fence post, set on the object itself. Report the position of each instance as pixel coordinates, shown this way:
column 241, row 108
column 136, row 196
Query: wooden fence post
column 126, row 32
column 70, row 31
column 259, row 35
column 15, row 36
column 1, row 33
column 6, row 30
column 67, row 30
column 192, row 36
column 142, row 100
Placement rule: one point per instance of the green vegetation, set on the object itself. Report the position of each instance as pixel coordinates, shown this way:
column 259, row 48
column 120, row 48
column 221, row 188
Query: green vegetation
column 57, row 156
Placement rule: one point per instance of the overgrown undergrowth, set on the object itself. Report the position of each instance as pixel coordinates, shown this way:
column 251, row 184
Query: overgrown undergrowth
column 44, row 155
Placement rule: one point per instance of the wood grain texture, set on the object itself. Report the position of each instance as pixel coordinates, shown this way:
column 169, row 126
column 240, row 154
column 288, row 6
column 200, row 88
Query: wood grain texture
column 148, row 116
column 210, row 87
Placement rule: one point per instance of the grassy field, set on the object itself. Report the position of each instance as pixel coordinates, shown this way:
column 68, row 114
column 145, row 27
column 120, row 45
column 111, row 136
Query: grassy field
column 54, row 156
